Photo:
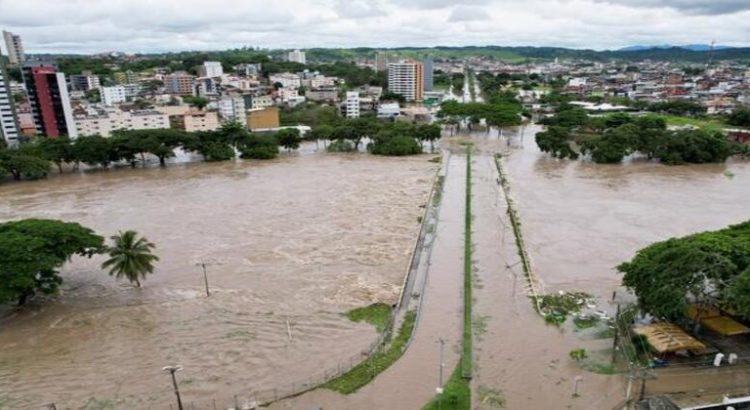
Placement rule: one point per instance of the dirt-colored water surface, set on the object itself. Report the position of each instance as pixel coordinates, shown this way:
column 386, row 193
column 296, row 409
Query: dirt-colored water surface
column 291, row 244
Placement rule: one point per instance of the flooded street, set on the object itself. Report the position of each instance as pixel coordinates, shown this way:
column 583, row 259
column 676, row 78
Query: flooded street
column 290, row 244
column 579, row 221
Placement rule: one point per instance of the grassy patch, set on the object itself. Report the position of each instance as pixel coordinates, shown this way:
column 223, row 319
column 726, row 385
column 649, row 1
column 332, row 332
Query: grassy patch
column 456, row 394
column 491, row 397
column 377, row 314
column 438, row 194
column 436, row 160
column 557, row 306
column 466, row 348
column 707, row 123
column 363, row 373
column 95, row 404
column 239, row 334
column 599, row 368
column 585, row 321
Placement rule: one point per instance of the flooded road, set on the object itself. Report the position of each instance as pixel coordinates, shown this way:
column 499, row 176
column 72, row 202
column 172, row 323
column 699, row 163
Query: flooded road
column 579, row 221
column 297, row 240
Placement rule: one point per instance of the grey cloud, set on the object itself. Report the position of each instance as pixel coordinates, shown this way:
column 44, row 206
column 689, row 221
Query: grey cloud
column 468, row 13
column 700, row 7
column 437, row 4
column 358, row 9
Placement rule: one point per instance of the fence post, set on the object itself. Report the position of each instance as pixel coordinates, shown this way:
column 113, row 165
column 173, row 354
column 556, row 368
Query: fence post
column 214, row 401
column 236, row 403
column 275, row 397
column 617, row 334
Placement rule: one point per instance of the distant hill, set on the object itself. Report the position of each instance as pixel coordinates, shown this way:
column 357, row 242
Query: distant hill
column 691, row 47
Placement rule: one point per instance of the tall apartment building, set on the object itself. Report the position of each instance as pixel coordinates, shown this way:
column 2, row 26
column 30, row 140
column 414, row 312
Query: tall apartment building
column 180, row 83
column 210, row 69
column 428, row 71
column 14, row 45
column 352, row 104
column 9, row 130
column 296, row 56
column 407, row 79
column 113, row 95
column 84, row 82
column 232, row 108
column 382, row 59
column 49, row 100
column 126, row 77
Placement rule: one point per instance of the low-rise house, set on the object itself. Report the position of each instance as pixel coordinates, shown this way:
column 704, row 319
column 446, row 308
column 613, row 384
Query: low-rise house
column 105, row 121
column 194, row 120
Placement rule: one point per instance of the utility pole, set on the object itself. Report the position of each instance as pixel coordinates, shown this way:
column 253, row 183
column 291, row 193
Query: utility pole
column 205, row 278
column 172, row 370
column 439, row 389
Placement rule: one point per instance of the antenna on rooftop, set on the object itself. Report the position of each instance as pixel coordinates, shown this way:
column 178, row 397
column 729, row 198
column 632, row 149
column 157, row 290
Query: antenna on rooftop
column 711, row 53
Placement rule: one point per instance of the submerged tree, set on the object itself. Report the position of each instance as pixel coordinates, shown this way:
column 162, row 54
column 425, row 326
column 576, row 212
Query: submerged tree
column 32, row 251
column 130, row 257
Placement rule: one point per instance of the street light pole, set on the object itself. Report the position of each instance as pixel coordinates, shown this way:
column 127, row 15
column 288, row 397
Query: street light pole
column 439, row 389
column 172, row 370
column 205, row 279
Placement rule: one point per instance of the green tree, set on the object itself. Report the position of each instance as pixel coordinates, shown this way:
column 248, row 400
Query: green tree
column 556, row 141
column 58, row 150
column 740, row 117
column 614, row 145
column 289, row 138
column 256, row 146
column 93, row 150
column 705, row 269
column 130, row 257
column 22, row 162
column 428, row 132
column 32, row 251
column 197, row 102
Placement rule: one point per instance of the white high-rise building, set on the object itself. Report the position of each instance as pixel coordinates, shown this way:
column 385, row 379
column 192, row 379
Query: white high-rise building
column 352, row 104
column 113, row 95
column 232, row 108
column 211, row 69
column 297, row 56
column 407, row 79
column 14, row 45
column 8, row 121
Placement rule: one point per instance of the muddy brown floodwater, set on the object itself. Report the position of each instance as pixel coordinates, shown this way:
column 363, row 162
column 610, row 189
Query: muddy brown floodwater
column 579, row 221
column 299, row 239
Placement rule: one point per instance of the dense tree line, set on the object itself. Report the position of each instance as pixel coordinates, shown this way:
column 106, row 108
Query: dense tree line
column 386, row 138
column 32, row 159
column 707, row 269
column 740, row 117
column 609, row 139
column 501, row 110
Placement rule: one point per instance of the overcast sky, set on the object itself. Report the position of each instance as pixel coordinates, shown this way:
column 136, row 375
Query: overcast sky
column 89, row 26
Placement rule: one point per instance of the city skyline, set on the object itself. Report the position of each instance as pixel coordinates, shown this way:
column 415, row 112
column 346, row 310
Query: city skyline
column 140, row 26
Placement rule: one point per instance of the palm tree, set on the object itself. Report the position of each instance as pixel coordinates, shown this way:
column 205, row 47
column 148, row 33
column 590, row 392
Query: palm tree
column 130, row 257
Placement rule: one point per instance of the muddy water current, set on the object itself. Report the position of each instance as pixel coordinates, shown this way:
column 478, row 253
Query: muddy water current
column 579, row 220
column 290, row 244
column 583, row 219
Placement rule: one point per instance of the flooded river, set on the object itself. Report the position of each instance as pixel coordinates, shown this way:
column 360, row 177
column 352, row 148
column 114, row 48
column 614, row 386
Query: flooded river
column 290, row 244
